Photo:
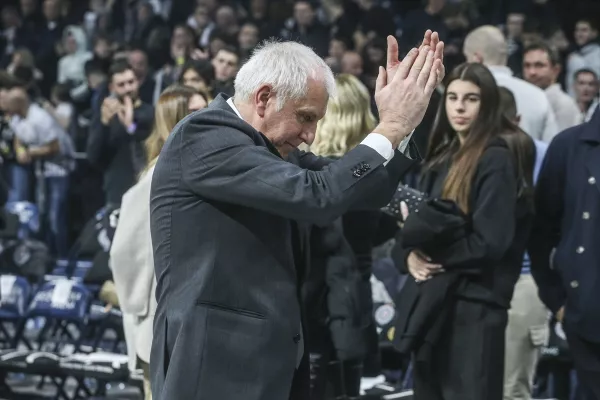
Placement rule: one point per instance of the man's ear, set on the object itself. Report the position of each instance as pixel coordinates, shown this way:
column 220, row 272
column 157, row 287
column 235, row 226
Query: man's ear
column 478, row 57
column 518, row 119
column 261, row 99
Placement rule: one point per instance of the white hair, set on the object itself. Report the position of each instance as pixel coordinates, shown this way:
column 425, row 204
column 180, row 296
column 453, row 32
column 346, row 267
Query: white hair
column 286, row 67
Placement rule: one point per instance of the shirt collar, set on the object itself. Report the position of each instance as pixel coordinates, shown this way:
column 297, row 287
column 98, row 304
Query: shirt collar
column 233, row 107
column 500, row 70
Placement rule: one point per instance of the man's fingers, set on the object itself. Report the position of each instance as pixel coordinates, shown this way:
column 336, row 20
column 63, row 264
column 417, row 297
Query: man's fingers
column 435, row 39
column 439, row 50
column 433, row 81
column 419, row 63
column 392, row 52
column 406, row 64
column 381, row 81
column 426, row 38
column 426, row 71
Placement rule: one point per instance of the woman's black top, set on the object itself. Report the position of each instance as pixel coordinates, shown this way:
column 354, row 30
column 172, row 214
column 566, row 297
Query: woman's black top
column 499, row 227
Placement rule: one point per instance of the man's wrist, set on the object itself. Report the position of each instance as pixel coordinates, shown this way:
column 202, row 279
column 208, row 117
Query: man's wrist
column 395, row 133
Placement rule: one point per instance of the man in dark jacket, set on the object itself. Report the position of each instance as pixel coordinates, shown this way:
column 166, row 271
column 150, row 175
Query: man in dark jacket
column 567, row 212
column 115, row 144
column 230, row 194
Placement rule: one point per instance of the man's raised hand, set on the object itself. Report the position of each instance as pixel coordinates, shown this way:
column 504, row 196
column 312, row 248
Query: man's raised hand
column 403, row 98
column 431, row 39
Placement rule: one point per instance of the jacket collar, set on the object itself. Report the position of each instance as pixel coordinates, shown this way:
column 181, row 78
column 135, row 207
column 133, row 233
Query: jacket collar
column 221, row 102
column 591, row 129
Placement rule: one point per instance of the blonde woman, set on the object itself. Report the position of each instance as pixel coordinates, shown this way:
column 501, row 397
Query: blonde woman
column 340, row 327
column 131, row 257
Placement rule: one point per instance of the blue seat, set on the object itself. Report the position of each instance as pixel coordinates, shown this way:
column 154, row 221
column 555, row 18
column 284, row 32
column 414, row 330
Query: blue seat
column 63, row 304
column 13, row 308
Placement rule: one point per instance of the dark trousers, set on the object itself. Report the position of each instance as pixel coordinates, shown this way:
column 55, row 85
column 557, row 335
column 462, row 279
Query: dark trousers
column 57, row 192
column 468, row 361
column 343, row 377
column 586, row 357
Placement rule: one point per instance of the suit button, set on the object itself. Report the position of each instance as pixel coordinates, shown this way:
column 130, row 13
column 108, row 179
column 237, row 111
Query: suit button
column 357, row 174
column 297, row 338
column 592, row 180
column 586, row 215
column 367, row 166
column 574, row 284
column 580, row 249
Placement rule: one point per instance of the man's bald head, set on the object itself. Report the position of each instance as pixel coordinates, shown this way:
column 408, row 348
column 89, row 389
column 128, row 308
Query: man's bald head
column 17, row 101
column 487, row 45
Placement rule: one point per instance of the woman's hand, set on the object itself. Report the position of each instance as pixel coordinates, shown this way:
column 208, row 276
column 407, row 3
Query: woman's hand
column 420, row 266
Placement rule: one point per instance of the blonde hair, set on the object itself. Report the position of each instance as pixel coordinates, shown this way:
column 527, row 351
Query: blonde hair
column 347, row 121
column 172, row 107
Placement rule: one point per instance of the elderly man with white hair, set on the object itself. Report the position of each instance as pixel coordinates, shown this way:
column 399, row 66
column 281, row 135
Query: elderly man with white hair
column 488, row 45
column 231, row 200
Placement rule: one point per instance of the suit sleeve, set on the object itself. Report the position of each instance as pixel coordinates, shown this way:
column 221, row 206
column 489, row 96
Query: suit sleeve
column 493, row 221
column 547, row 222
column 223, row 164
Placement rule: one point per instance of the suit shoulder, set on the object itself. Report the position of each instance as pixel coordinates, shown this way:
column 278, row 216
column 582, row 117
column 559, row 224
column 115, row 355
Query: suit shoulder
column 567, row 136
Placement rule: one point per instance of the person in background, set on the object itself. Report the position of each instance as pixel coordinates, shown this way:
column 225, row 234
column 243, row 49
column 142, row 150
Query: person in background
column 131, row 259
column 115, row 140
column 586, row 55
column 586, row 93
column 527, row 329
column 71, row 67
column 541, row 67
column 487, row 45
column 199, row 75
column 60, row 106
column 481, row 161
column 41, row 141
column 226, row 63
column 248, row 38
column 565, row 257
column 138, row 59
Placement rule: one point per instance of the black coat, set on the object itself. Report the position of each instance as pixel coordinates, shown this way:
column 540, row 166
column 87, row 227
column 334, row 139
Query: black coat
column 500, row 227
column 568, row 219
column 422, row 308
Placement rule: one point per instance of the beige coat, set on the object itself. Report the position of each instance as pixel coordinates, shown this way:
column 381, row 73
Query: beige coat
column 132, row 265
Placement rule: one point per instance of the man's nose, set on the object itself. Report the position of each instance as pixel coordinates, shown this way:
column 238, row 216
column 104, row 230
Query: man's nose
column 308, row 137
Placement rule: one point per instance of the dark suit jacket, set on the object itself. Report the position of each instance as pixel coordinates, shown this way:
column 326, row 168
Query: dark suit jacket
column 223, row 202
column 567, row 213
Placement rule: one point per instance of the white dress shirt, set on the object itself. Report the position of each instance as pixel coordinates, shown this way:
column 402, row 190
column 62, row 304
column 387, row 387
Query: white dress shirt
column 537, row 117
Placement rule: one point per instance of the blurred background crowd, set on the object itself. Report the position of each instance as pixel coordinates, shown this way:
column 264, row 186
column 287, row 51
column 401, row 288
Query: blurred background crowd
column 79, row 79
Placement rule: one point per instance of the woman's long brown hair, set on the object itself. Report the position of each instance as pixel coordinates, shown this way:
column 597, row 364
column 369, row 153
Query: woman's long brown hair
column 172, row 107
column 444, row 145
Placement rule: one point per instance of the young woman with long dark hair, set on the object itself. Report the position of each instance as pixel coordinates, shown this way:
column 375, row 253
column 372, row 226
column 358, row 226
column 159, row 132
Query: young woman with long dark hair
column 478, row 159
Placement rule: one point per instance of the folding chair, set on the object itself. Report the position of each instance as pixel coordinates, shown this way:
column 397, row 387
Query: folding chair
column 15, row 293
column 63, row 304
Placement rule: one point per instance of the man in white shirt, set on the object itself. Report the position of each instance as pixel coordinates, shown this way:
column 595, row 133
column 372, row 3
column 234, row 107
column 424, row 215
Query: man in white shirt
column 39, row 139
column 487, row 45
column 541, row 67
